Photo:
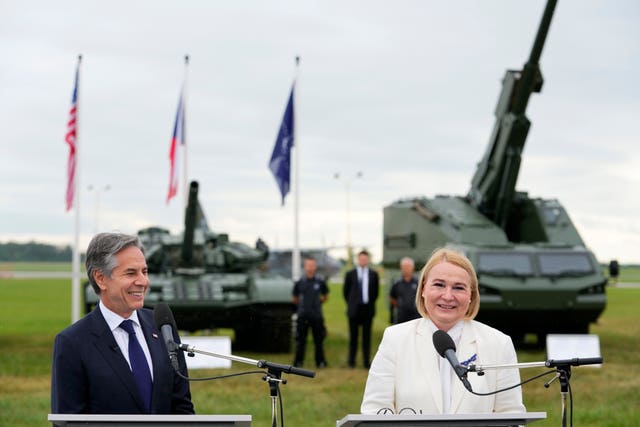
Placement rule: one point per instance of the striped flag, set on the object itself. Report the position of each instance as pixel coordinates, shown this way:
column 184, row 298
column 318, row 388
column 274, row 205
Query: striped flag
column 177, row 146
column 280, row 162
column 70, row 139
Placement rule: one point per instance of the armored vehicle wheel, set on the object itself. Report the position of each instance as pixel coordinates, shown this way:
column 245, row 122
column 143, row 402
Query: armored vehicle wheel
column 269, row 332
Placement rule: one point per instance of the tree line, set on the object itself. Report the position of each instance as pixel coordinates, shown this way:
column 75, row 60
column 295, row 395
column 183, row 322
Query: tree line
column 32, row 251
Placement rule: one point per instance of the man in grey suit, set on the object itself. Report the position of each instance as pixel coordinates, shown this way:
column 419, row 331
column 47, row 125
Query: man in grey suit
column 114, row 360
column 361, row 286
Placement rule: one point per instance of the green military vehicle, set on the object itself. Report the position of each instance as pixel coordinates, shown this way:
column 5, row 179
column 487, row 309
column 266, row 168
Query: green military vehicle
column 535, row 273
column 210, row 282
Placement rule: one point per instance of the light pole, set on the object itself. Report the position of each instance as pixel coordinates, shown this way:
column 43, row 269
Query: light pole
column 347, row 186
column 98, row 191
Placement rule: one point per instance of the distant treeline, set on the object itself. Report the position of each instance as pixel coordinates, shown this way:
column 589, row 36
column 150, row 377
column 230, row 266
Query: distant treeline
column 32, row 251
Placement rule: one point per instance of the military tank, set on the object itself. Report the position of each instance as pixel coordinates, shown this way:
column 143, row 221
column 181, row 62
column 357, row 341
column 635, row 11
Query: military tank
column 535, row 273
column 210, row 282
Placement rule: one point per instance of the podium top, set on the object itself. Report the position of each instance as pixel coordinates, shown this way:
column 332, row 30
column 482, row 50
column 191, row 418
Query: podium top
column 443, row 420
column 113, row 420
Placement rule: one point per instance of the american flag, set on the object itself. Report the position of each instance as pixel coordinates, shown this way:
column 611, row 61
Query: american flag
column 70, row 139
column 177, row 143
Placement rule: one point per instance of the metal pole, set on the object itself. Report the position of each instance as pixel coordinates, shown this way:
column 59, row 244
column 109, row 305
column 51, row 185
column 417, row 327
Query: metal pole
column 295, row 255
column 185, row 176
column 75, row 258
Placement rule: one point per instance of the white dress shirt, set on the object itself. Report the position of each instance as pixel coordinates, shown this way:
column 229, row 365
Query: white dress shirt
column 447, row 376
column 122, row 336
column 363, row 275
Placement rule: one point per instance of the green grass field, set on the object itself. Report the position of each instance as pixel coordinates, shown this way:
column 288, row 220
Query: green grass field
column 33, row 311
column 37, row 266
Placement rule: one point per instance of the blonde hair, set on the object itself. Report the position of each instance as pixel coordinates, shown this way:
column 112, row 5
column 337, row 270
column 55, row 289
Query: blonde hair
column 455, row 258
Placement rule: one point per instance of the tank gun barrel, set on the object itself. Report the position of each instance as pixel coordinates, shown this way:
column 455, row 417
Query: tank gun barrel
column 191, row 211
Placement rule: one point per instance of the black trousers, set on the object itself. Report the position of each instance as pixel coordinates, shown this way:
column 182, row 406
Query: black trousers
column 364, row 319
column 317, row 330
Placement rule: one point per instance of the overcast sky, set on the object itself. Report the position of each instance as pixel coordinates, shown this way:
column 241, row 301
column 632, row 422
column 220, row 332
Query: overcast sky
column 403, row 91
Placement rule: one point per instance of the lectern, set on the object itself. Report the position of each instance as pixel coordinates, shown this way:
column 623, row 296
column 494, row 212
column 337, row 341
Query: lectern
column 106, row 420
column 449, row 420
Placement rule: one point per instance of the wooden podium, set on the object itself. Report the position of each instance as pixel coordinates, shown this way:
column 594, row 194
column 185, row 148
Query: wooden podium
column 449, row 420
column 106, row 420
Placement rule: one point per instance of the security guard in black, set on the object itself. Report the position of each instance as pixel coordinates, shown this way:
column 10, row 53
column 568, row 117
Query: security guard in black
column 403, row 293
column 309, row 293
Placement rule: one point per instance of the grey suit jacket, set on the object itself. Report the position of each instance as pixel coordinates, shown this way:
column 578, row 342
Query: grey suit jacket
column 405, row 372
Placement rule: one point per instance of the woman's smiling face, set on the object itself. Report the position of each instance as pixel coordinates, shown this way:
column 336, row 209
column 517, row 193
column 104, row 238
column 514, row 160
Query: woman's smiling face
column 447, row 294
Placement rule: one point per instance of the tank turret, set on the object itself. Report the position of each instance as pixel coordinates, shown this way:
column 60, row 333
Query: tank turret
column 536, row 275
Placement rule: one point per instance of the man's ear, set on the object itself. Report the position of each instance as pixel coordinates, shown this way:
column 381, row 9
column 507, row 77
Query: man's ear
column 100, row 279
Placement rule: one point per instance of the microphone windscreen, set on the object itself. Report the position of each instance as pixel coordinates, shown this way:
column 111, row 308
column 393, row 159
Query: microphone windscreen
column 162, row 315
column 443, row 342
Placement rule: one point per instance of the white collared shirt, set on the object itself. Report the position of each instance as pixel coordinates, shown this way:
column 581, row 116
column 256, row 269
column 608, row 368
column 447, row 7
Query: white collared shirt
column 363, row 274
column 447, row 376
column 122, row 336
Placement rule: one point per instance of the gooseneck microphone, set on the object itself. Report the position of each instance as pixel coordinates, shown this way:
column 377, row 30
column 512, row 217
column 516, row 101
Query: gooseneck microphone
column 163, row 318
column 447, row 348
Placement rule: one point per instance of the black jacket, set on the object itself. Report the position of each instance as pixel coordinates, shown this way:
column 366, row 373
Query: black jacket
column 351, row 291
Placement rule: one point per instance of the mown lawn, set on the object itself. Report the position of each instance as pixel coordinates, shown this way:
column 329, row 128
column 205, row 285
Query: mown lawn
column 33, row 311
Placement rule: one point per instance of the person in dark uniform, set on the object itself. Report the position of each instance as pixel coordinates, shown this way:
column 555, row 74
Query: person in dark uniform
column 309, row 293
column 403, row 293
column 361, row 287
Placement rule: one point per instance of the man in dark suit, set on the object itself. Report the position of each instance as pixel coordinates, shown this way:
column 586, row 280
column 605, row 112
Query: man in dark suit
column 114, row 360
column 360, row 291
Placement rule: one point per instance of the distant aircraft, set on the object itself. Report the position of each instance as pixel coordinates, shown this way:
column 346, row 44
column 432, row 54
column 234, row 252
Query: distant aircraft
column 279, row 261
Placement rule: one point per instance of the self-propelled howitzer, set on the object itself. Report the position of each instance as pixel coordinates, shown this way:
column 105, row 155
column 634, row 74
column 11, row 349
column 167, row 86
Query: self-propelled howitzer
column 536, row 275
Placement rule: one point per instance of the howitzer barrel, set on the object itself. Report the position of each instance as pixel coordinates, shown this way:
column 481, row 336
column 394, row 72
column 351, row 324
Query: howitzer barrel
column 190, row 214
column 545, row 23
column 531, row 70
column 493, row 185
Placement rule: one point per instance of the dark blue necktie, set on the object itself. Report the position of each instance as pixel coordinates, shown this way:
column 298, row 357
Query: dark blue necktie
column 139, row 365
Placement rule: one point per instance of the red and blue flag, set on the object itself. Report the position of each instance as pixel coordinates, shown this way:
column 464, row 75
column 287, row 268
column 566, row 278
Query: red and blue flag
column 176, row 150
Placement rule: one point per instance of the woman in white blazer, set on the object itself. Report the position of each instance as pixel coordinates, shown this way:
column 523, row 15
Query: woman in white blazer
column 409, row 376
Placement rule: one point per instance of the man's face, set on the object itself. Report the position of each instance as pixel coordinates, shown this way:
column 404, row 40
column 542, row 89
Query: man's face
column 124, row 291
column 363, row 260
column 406, row 267
column 310, row 267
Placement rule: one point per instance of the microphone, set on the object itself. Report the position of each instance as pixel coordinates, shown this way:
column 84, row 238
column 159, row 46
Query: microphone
column 163, row 318
column 447, row 348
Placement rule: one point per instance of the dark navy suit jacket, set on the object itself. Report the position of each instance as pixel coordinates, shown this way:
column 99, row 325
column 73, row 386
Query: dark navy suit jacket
column 91, row 376
column 351, row 291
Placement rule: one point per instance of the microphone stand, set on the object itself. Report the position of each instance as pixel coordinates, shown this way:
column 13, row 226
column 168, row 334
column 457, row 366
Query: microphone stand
column 563, row 373
column 273, row 376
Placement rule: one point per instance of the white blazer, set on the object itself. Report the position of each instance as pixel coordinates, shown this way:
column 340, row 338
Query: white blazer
column 405, row 372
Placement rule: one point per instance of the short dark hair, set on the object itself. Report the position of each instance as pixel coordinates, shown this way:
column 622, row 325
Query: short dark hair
column 101, row 253
column 364, row 252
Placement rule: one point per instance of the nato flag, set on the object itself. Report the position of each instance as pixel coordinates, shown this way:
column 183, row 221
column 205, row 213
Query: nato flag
column 280, row 163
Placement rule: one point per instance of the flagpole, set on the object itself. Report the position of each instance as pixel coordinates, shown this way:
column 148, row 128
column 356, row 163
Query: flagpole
column 295, row 256
column 185, row 185
column 75, row 256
